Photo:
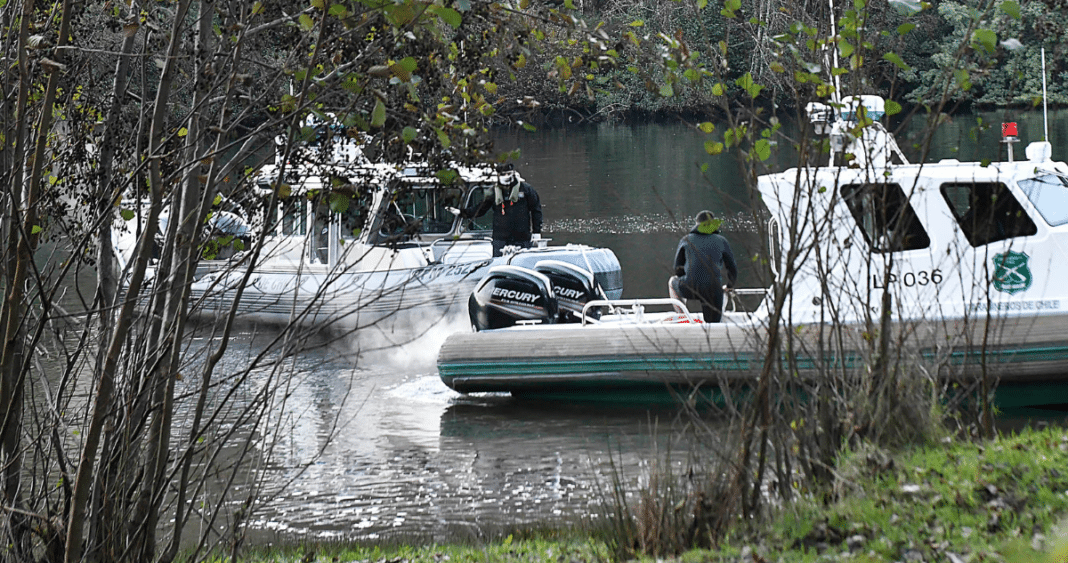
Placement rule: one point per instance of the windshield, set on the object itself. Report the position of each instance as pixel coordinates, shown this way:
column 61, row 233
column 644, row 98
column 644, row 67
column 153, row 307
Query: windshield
column 430, row 204
column 1049, row 194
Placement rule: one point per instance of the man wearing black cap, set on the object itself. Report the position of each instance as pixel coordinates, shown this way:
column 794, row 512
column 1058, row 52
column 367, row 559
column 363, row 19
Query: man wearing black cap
column 516, row 211
column 700, row 260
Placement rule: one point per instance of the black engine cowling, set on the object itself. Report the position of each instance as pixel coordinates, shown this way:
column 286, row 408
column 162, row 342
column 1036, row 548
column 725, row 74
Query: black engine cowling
column 573, row 286
column 510, row 294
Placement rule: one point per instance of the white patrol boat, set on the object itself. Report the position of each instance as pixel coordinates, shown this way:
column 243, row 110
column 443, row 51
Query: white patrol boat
column 353, row 243
column 966, row 260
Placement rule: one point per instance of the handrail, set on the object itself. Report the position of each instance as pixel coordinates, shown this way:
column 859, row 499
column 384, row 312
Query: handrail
column 731, row 295
column 637, row 306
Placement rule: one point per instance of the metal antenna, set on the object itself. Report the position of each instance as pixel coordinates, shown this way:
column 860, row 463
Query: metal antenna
column 1045, row 114
column 837, row 96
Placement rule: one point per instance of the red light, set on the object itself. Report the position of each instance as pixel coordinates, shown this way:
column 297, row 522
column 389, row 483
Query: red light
column 1008, row 129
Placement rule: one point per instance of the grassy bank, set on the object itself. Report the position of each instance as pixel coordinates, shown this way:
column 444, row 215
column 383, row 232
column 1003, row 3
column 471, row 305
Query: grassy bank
column 1003, row 500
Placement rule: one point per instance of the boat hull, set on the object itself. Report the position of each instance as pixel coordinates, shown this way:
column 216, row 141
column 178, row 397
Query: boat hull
column 349, row 299
column 1025, row 357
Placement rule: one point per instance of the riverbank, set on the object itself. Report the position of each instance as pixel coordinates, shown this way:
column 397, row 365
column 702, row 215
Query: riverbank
column 956, row 501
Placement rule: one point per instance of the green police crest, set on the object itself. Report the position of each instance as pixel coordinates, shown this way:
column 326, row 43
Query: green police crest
column 1011, row 272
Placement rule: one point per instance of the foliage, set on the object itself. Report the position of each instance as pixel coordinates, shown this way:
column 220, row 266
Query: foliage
column 991, row 49
column 1001, row 63
column 123, row 119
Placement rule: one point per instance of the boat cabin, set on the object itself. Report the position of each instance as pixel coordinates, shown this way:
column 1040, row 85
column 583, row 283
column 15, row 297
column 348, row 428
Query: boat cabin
column 368, row 216
column 947, row 239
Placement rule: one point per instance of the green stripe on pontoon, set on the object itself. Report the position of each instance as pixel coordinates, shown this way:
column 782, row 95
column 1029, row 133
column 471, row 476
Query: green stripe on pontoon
column 723, row 363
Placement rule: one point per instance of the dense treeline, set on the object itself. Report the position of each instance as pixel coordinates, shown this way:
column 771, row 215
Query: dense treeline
column 909, row 47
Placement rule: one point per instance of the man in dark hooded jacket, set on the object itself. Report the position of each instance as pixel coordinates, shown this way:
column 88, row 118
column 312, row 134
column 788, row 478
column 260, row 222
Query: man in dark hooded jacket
column 516, row 212
column 703, row 255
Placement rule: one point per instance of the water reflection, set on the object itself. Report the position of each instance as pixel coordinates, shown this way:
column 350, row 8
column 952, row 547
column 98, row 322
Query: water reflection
column 414, row 458
column 374, row 452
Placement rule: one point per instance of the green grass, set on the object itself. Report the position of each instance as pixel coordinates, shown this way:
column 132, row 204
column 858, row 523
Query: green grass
column 995, row 501
column 1004, row 500
column 568, row 550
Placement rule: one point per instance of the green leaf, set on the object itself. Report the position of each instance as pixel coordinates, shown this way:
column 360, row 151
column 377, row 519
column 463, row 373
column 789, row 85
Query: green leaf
column 306, row 22
column 667, row 91
column 963, row 78
column 905, row 28
column 896, row 59
column 448, row 177
column 448, row 15
column 717, row 89
column 339, row 203
column 529, row 127
column 183, row 132
column 127, row 214
column 637, row 23
column 845, row 47
column 35, row 229
column 892, row 107
column 378, row 115
column 409, row 134
column 1011, row 8
column 706, row 127
column 713, row 148
column 338, row 11
column 701, row 4
column 746, row 82
column 987, row 39
column 443, row 138
column 401, row 71
column 763, row 149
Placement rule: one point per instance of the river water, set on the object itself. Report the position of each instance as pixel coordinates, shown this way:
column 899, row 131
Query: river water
column 378, row 446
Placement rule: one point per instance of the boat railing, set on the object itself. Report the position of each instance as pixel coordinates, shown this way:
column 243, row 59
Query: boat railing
column 733, row 303
column 636, row 307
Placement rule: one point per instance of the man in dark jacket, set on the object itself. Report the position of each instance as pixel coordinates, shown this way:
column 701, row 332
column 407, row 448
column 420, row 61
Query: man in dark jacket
column 700, row 261
column 516, row 212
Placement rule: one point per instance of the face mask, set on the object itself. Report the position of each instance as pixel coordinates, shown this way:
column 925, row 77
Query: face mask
column 498, row 190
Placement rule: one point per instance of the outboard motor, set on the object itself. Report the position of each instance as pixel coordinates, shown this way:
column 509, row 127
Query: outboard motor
column 573, row 286
column 510, row 294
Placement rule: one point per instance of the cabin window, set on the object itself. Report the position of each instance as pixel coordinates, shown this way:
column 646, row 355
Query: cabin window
column 485, row 222
column 431, row 207
column 884, row 215
column 1049, row 194
column 987, row 212
column 294, row 216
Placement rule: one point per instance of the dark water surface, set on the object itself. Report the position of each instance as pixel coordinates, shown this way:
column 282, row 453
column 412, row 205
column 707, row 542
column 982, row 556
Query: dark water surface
column 379, row 446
